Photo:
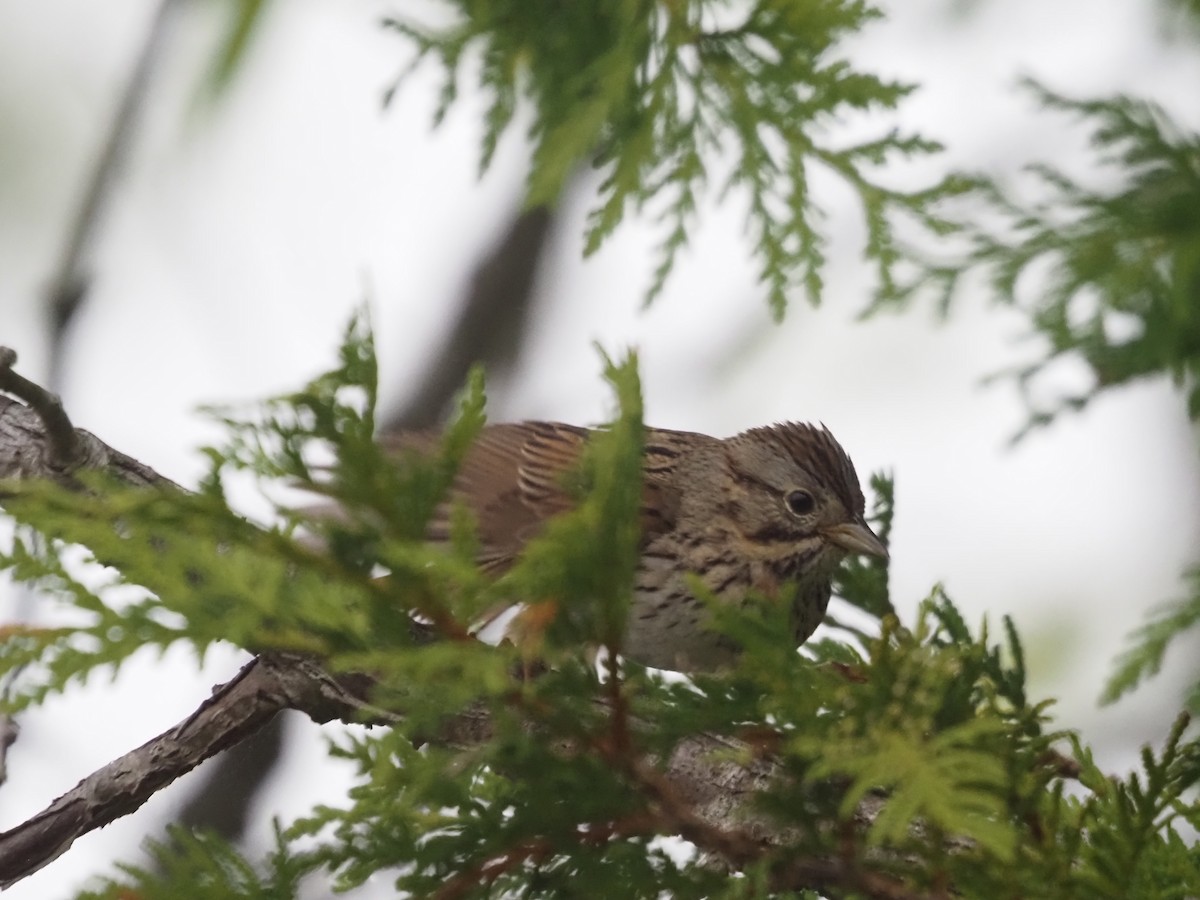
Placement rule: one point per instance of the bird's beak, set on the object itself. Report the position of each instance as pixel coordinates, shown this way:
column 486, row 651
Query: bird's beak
column 856, row 537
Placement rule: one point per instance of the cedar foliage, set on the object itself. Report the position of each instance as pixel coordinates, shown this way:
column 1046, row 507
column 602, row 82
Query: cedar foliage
column 931, row 714
column 981, row 795
column 669, row 100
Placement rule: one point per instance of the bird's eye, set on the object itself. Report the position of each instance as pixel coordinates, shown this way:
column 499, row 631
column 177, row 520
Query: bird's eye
column 800, row 503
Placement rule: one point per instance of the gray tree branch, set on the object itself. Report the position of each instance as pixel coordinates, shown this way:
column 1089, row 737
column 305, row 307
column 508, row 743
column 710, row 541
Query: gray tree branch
column 236, row 709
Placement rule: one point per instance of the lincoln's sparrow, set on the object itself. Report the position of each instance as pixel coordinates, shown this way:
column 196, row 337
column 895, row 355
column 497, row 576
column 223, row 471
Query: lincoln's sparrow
column 771, row 506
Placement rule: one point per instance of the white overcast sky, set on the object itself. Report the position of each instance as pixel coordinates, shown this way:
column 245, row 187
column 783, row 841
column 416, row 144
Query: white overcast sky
column 239, row 241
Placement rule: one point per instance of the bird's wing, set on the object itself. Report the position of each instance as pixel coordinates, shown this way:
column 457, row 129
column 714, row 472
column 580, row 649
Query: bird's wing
column 514, row 478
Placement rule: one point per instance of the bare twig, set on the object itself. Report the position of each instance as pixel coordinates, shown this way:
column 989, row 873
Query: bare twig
column 64, row 449
column 69, row 283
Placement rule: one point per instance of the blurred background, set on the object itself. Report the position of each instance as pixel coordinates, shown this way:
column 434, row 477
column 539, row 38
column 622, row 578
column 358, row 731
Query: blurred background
column 239, row 233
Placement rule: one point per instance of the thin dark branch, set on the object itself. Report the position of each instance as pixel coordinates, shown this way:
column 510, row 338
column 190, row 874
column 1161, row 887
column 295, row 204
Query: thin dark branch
column 486, row 872
column 70, row 280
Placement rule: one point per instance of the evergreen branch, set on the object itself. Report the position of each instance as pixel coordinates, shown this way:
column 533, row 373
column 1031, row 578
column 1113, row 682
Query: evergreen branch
column 655, row 95
column 203, row 864
column 1150, row 642
column 37, row 440
column 1107, row 275
column 700, row 770
column 773, row 769
column 537, row 850
column 739, row 850
column 246, row 19
column 267, row 684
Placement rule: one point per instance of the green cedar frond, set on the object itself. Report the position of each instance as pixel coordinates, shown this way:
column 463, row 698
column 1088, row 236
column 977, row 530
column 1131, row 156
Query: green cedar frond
column 246, row 18
column 660, row 97
column 1144, row 808
column 202, row 865
column 925, row 718
column 201, row 572
column 103, row 635
column 1149, row 643
column 1108, row 274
